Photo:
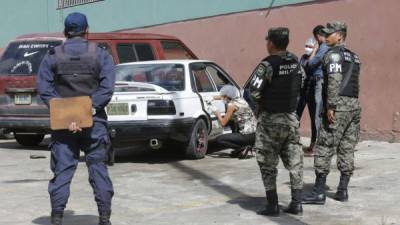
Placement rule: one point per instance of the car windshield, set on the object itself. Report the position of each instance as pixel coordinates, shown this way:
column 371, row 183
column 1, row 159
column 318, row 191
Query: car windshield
column 24, row 57
column 168, row 76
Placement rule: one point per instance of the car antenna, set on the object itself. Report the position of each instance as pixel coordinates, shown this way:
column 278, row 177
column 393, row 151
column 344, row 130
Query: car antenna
column 269, row 8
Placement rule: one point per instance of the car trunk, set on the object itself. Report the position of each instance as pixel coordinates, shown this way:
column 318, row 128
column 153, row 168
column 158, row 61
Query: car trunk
column 19, row 65
column 137, row 101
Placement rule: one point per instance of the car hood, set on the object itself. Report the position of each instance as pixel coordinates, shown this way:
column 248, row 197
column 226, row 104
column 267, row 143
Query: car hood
column 138, row 87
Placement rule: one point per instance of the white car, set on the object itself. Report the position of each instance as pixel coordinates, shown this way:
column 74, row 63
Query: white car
column 168, row 101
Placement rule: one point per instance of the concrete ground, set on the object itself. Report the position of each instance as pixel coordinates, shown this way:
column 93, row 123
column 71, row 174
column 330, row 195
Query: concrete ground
column 160, row 188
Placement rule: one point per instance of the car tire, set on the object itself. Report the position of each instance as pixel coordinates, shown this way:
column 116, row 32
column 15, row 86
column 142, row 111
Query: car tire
column 198, row 143
column 29, row 140
column 4, row 135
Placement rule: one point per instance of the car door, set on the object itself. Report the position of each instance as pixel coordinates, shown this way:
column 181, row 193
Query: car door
column 205, row 87
column 220, row 78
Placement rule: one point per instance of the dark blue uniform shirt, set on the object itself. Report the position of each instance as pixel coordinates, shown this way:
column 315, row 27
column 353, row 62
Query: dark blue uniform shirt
column 77, row 46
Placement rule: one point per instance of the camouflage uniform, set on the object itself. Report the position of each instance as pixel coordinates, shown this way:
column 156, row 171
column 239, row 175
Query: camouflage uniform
column 341, row 70
column 276, row 85
column 243, row 116
column 243, row 131
column 341, row 136
column 277, row 136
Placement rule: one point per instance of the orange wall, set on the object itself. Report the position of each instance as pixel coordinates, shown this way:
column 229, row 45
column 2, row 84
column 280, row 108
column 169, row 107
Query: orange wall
column 236, row 42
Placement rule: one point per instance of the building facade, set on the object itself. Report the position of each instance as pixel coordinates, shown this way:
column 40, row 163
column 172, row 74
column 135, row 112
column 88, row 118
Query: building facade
column 232, row 32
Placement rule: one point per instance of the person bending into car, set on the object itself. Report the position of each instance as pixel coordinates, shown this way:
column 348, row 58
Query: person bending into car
column 240, row 113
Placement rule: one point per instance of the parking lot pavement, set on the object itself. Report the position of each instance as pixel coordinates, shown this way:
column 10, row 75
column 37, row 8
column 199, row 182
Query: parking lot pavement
column 160, row 188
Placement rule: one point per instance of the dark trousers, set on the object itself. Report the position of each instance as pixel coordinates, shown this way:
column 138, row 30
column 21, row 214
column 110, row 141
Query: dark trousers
column 65, row 148
column 235, row 140
column 311, row 96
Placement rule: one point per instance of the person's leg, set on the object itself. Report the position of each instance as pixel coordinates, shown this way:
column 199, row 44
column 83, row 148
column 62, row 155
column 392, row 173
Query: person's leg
column 292, row 158
column 267, row 146
column 311, row 111
column 236, row 141
column 311, row 104
column 324, row 151
column 345, row 152
column 232, row 140
column 318, row 105
column 248, row 139
column 64, row 160
column 247, row 150
column 94, row 142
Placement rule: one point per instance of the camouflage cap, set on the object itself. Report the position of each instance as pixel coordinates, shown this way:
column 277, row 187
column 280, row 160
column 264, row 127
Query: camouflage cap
column 277, row 33
column 335, row 26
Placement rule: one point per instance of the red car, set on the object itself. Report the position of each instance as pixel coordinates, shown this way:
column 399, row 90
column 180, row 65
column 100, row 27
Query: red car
column 21, row 110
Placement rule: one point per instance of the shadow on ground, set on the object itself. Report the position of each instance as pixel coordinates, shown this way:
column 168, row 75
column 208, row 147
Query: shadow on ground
column 12, row 144
column 69, row 219
column 245, row 201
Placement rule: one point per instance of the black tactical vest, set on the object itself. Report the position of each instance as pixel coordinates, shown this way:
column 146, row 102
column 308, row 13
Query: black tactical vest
column 76, row 75
column 350, row 85
column 281, row 95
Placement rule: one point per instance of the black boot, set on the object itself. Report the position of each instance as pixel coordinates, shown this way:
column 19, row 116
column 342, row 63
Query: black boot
column 342, row 194
column 317, row 196
column 104, row 218
column 56, row 218
column 272, row 207
column 295, row 206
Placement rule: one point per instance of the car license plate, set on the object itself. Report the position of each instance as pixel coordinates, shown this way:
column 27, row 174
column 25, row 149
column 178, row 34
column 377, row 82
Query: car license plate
column 117, row 109
column 22, row 99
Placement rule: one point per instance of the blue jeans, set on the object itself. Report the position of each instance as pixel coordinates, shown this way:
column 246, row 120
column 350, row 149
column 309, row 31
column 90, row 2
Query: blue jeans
column 311, row 95
column 65, row 148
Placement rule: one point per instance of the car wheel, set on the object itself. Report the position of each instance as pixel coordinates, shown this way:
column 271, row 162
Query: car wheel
column 4, row 135
column 29, row 140
column 197, row 146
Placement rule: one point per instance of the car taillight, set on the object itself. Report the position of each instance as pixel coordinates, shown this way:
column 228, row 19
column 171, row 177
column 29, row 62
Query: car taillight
column 161, row 107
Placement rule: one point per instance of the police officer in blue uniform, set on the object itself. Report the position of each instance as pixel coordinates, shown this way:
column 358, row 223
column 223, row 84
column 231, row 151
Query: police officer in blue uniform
column 79, row 68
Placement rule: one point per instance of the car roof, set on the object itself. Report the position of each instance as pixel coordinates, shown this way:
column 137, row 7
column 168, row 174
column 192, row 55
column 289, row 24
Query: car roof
column 173, row 61
column 96, row 36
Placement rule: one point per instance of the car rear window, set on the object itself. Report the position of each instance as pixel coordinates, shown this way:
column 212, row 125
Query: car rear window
column 168, row 76
column 24, row 58
column 175, row 50
column 132, row 52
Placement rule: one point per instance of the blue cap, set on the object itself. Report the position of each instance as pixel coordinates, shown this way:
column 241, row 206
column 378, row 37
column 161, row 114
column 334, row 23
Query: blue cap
column 75, row 23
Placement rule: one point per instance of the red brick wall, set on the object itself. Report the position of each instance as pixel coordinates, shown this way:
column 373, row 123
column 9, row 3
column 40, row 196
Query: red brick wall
column 236, row 42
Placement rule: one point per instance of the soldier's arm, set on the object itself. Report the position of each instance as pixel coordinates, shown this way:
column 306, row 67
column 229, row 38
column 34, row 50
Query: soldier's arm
column 260, row 79
column 103, row 95
column 268, row 75
column 333, row 67
column 45, row 80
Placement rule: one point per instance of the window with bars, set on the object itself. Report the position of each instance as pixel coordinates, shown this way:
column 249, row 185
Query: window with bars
column 62, row 4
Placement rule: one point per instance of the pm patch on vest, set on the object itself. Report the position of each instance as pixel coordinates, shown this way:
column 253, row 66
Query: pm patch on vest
column 258, row 80
column 334, row 64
